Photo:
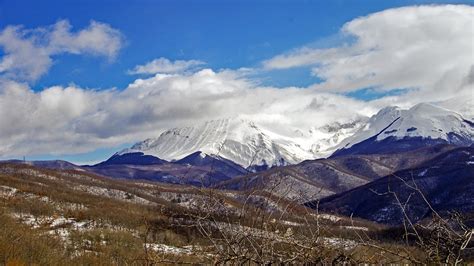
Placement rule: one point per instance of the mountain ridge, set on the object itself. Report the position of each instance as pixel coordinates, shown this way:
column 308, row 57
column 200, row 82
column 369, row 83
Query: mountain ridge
column 445, row 181
column 245, row 142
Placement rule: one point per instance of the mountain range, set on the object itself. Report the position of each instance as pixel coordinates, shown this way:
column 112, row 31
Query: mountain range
column 336, row 167
column 246, row 142
column 254, row 146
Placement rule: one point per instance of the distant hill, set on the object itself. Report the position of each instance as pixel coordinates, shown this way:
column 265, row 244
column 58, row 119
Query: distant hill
column 446, row 181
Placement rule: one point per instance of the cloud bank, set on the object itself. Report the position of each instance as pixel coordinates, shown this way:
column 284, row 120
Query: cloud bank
column 424, row 48
column 72, row 119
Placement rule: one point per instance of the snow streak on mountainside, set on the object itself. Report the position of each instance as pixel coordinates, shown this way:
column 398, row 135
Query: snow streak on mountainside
column 246, row 143
column 423, row 121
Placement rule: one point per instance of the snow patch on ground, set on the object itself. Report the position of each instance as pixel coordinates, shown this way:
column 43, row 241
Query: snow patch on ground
column 329, row 217
column 32, row 172
column 6, row 191
column 291, row 223
column 339, row 242
column 423, row 173
column 350, row 227
column 50, row 221
column 162, row 248
column 113, row 193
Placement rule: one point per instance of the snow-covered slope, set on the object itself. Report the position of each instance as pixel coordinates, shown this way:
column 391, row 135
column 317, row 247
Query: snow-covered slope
column 246, row 143
column 422, row 121
column 238, row 140
column 462, row 103
column 324, row 140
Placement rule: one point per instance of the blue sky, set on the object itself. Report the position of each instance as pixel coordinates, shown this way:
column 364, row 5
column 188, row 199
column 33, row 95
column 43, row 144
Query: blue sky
column 223, row 34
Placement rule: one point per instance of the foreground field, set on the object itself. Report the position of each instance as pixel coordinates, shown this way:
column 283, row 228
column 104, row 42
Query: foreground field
column 72, row 217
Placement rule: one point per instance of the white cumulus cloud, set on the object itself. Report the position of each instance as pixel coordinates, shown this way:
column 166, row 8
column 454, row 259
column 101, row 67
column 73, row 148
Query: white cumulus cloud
column 164, row 65
column 28, row 52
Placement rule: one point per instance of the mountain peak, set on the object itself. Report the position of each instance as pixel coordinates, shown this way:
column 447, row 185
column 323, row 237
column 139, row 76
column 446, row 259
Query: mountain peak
column 423, row 121
column 389, row 110
column 429, row 109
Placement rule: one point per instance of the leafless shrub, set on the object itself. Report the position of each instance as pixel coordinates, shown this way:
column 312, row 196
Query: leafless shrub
column 441, row 239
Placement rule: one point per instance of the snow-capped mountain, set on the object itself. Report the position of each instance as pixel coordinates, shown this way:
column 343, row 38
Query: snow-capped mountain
column 245, row 142
column 251, row 144
column 422, row 124
column 240, row 141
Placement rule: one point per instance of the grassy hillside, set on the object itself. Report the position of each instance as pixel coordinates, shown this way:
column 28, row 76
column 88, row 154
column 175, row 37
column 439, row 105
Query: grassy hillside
column 68, row 217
